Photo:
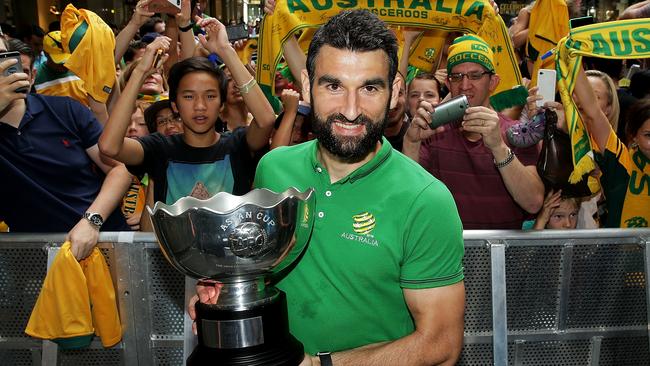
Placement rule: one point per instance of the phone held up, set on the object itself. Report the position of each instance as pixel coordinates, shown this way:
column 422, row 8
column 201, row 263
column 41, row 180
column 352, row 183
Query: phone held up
column 451, row 111
column 17, row 67
column 545, row 86
column 172, row 7
column 236, row 32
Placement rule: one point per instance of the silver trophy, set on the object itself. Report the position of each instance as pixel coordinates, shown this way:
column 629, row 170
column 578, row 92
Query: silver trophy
column 239, row 241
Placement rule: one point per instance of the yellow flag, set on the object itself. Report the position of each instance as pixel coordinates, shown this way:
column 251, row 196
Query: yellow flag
column 469, row 16
column 549, row 22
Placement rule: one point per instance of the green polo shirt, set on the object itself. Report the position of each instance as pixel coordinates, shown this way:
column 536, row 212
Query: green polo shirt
column 387, row 226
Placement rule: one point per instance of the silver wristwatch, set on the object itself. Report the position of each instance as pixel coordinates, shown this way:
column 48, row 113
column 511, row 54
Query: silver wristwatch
column 95, row 219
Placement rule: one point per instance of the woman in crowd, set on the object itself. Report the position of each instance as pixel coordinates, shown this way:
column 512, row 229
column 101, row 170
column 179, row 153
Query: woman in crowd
column 625, row 170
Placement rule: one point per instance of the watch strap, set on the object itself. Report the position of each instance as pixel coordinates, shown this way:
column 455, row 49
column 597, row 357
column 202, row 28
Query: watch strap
column 186, row 28
column 325, row 358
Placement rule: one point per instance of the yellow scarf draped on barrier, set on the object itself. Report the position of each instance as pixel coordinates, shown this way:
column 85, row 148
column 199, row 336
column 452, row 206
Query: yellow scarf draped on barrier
column 617, row 40
column 469, row 16
column 549, row 22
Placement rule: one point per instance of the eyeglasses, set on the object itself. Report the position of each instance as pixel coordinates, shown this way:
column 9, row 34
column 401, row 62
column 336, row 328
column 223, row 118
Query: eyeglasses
column 457, row 77
column 163, row 121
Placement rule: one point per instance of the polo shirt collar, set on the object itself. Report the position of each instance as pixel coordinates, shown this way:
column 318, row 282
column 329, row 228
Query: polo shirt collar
column 382, row 155
column 33, row 106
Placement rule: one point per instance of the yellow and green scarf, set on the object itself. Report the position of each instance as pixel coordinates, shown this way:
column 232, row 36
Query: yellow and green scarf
column 469, row 16
column 617, row 40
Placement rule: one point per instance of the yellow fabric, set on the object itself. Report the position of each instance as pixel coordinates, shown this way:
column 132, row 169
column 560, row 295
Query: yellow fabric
column 622, row 39
column 72, row 87
column 549, row 22
column 53, row 46
column 247, row 51
column 92, row 59
column 425, row 54
column 475, row 16
column 470, row 48
column 134, row 200
column 4, row 228
column 63, row 308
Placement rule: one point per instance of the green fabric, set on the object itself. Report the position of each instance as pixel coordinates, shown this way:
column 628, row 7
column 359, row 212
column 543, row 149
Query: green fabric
column 46, row 74
column 347, row 289
column 74, row 342
column 77, row 36
column 514, row 97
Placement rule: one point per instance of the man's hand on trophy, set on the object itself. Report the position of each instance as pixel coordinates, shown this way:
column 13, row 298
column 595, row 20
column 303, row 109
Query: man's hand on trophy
column 207, row 292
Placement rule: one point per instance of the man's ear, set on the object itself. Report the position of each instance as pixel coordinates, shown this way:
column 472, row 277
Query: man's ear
column 306, row 86
column 394, row 96
column 494, row 82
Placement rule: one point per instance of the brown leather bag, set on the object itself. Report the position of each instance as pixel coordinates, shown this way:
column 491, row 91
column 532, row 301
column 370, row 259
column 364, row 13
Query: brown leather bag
column 555, row 162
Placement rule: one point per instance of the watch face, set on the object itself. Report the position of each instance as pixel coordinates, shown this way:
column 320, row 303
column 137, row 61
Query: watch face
column 94, row 219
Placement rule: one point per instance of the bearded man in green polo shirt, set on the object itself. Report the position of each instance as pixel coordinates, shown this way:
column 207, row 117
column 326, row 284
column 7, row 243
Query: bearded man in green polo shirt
column 381, row 281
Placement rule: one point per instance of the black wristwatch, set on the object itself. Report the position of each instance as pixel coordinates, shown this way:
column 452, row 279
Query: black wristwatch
column 95, row 219
column 325, row 358
column 186, row 28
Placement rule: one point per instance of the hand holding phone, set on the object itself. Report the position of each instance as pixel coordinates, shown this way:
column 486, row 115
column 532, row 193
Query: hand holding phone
column 14, row 68
column 545, row 86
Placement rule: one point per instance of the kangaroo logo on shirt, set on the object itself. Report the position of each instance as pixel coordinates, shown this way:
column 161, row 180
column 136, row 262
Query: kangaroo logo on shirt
column 363, row 223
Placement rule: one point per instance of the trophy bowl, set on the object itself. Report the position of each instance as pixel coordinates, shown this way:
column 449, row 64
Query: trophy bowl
column 239, row 241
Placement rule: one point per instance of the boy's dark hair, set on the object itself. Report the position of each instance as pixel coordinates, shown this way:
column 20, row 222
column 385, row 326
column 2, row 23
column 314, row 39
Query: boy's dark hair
column 355, row 30
column 129, row 54
column 54, row 26
column 637, row 115
column 422, row 75
column 640, row 84
column 196, row 64
column 22, row 48
column 150, row 25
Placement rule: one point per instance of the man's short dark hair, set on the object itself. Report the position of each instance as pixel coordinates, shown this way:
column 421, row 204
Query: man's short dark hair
column 22, row 48
column 129, row 54
column 355, row 30
column 196, row 64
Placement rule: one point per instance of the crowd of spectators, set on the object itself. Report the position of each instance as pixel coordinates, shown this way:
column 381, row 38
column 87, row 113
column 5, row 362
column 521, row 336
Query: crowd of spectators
column 158, row 139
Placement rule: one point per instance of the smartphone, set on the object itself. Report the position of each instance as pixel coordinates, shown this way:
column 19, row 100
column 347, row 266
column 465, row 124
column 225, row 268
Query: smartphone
column 451, row 111
column 172, row 7
column 633, row 70
column 157, row 60
column 17, row 67
column 582, row 21
column 237, row 32
column 545, row 86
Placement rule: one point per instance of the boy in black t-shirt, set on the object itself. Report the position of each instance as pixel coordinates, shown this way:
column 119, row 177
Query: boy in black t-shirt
column 200, row 162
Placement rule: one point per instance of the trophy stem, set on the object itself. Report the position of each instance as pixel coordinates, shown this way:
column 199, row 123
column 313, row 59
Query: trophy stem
column 244, row 295
column 255, row 336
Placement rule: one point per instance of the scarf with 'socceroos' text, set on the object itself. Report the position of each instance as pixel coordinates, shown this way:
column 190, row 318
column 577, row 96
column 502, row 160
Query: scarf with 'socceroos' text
column 467, row 16
column 618, row 40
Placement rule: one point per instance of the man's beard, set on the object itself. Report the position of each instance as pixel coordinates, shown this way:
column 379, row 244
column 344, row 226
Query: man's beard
column 350, row 149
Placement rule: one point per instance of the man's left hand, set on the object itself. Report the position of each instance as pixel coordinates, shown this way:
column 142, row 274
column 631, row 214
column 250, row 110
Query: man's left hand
column 484, row 121
column 83, row 238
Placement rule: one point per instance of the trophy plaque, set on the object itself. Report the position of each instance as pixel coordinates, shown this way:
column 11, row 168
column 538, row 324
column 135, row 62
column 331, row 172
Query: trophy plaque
column 239, row 241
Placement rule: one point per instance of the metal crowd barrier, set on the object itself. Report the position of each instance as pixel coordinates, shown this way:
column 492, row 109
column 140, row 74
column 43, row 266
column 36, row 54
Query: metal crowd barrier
column 575, row 297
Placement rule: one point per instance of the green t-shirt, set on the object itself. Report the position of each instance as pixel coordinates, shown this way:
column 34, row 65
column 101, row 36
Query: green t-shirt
column 387, row 226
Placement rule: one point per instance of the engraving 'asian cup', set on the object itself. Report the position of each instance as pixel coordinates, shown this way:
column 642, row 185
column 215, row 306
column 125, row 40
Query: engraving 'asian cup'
column 235, row 238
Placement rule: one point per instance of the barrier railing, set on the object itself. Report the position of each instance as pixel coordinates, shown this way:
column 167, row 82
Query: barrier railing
column 575, row 297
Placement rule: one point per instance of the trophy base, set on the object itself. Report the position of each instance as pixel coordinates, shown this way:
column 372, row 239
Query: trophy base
column 252, row 337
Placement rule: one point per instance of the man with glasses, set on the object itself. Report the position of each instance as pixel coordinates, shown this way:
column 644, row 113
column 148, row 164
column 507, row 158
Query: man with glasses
column 495, row 185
